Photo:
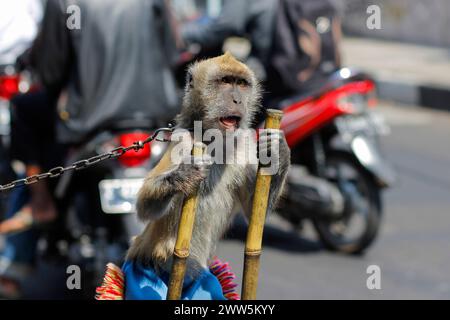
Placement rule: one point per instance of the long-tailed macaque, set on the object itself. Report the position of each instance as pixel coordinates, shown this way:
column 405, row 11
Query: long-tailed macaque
column 224, row 95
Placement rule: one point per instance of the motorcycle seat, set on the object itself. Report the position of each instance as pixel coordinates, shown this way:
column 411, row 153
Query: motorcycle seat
column 319, row 87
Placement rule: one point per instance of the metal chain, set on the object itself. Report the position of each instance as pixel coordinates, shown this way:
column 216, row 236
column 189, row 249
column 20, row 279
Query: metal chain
column 85, row 163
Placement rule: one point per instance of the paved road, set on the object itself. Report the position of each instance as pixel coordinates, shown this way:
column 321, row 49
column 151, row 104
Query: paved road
column 413, row 249
column 386, row 61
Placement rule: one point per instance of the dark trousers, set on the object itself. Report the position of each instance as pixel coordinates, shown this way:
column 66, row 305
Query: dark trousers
column 33, row 141
column 33, row 132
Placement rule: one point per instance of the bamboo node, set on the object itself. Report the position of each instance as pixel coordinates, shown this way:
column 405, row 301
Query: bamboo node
column 250, row 252
column 181, row 253
column 275, row 114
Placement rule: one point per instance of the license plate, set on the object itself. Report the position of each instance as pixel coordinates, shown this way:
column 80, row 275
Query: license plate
column 119, row 195
column 379, row 122
column 371, row 123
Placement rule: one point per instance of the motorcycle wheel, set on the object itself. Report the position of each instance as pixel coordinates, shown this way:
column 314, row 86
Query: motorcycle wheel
column 362, row 207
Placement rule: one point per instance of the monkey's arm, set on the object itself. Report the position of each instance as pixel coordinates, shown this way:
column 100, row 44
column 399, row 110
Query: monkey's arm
column 278, row 178
column 164, row 183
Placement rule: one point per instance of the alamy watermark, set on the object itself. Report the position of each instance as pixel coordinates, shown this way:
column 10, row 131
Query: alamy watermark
column 232, row 147
column 373, row 282
column 73, row 22
column 73, row 281
column 373, row 22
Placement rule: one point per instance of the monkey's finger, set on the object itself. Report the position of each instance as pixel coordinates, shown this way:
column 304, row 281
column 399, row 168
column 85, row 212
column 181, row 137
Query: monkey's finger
column 189, row 159
column 207, row 158
column 267, row 141
column 269, row 149
column 207, row 163
column 269, row 132
column 203, row 166
column 204, row 169
column 202, row 160
column 272, row 150
column 271, row 139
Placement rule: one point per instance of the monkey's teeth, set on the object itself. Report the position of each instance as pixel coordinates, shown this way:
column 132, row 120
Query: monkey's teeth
column 230, row 122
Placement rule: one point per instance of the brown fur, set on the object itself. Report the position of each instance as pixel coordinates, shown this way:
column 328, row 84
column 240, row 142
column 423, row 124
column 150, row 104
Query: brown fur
column 226, row 190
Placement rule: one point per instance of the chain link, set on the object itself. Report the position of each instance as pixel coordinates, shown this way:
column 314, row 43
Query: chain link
column 86, row 163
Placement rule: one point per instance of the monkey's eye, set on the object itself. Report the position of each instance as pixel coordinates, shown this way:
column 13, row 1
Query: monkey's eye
column 242, row 82
column 227, row 80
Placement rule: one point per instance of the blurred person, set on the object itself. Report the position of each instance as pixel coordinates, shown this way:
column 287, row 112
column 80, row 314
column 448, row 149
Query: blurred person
column 18, row 27
column 252, row 19
column 297, row 41
column 184, row 9
column 305, row 47
column 118, row 63
column 19, row 23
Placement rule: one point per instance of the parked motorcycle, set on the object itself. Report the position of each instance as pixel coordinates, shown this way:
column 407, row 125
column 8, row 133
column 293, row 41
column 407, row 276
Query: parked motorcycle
column 338, row 171
column 99, row 201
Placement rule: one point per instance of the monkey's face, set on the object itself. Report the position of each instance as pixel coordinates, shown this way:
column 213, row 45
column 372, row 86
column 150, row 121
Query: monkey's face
column 228, row 109
column 221, row 92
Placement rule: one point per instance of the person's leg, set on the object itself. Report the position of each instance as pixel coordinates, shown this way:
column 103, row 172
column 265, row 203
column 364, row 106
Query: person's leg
column 18, row 252
column 33, row 116
column 33, row 143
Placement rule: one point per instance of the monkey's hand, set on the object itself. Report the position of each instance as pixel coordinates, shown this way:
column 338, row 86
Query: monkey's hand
column 159, row 193
column 273, row 151
column 275, row 156
column 191, row 172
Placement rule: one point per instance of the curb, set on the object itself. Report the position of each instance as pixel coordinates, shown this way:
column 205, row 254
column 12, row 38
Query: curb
column 425, row 95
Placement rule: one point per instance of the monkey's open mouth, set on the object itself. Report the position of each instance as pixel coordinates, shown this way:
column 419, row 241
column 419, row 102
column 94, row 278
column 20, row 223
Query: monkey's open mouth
column 230, row 122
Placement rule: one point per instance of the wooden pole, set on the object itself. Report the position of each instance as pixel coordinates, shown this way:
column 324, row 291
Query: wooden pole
column 253, row 243
column 183, row 243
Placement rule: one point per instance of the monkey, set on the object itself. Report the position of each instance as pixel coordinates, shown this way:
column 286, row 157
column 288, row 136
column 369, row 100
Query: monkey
column 224, row 94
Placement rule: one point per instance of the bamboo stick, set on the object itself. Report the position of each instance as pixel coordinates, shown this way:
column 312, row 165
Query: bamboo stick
column 253, row 243
column 183, row 243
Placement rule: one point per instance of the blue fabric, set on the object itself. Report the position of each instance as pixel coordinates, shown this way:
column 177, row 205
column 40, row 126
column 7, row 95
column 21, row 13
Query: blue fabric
column 19, row 247
column 144, row 284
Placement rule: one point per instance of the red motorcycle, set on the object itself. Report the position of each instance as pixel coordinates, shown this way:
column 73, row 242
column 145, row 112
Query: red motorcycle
column 338, row 171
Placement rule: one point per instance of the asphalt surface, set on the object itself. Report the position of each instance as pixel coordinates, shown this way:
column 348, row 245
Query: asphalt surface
column 412, row 249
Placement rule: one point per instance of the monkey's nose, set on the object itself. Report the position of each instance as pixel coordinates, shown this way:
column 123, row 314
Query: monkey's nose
column 236, row 98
